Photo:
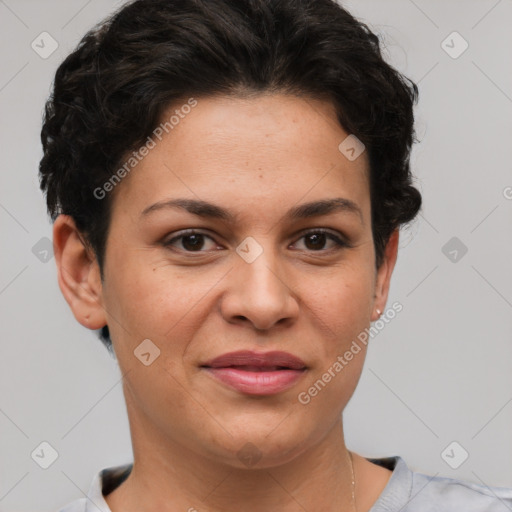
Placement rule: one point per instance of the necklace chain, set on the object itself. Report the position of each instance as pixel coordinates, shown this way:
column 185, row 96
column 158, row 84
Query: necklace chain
column 349, row 456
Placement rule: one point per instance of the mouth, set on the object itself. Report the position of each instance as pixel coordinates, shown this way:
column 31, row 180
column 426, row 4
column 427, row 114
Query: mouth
column 247, row 368
column 252, row 380
column 256, row 380
column 259, row 360
column 256, row 373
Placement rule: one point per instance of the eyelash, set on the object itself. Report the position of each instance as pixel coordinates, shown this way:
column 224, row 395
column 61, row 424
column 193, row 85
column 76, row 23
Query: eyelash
column 340, row 243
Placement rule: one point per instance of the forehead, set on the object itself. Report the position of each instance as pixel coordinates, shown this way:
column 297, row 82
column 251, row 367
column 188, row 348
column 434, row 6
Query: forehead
column 279, row 147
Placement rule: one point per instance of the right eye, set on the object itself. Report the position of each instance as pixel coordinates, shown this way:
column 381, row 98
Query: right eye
column 191, row 241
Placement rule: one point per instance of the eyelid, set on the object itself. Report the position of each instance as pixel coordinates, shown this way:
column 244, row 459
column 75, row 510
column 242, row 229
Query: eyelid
column 187, row 232
column 338, row 238
column 324, row 231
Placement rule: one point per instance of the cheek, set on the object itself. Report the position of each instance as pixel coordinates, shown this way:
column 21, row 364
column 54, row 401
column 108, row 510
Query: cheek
column 343, row 301
column 158, row 301
column 155, row 302
column 158, row 394
column 341, row 311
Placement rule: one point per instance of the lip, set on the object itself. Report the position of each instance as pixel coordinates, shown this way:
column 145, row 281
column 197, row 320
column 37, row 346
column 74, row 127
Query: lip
column 257, row 373
column 261, row 359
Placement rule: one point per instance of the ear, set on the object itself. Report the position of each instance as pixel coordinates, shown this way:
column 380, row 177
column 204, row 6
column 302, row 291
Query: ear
column 383, row 278
column 78, row 274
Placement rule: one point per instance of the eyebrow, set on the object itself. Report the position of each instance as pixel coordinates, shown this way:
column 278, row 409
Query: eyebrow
column 213, row 211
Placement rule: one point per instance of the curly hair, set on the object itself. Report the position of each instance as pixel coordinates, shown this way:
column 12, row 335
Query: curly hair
column 112, row 90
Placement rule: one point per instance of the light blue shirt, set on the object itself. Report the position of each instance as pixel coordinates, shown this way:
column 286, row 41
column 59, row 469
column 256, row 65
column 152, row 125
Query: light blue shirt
column 406, row 491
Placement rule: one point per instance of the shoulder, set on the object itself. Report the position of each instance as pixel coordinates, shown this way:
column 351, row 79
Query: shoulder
column 449, row 494
column 411, row 491
column 104, row 482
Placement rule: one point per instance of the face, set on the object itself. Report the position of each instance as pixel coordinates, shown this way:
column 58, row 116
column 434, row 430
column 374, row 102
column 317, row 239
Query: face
column 255, row 272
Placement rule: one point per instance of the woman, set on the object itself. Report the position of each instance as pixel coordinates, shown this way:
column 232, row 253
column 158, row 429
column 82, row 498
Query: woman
column 227, row 182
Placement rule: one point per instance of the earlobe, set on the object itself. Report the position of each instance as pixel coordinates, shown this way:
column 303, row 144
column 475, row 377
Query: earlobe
column 384, row 276
column 78, row 274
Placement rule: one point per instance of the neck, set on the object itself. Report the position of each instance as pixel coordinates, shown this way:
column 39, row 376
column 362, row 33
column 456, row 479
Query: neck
column 168, row 476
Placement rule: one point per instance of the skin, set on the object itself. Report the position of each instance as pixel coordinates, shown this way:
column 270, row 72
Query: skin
column 257, row 157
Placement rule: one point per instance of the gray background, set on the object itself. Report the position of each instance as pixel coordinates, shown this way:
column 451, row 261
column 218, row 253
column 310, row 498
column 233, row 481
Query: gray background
column 439, row 372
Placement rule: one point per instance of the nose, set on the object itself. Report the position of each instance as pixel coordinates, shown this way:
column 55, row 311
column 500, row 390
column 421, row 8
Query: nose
column 260, row 292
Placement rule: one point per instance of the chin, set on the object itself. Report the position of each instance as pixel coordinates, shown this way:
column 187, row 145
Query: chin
column 261, row 448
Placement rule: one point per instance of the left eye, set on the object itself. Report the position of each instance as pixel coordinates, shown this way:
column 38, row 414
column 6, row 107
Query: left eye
column 319, row 237
column 193, row 241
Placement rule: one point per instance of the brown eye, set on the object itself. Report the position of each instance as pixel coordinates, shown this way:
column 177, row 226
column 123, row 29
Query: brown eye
column 316, row 240
column 193, row 242
column 190, row 241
